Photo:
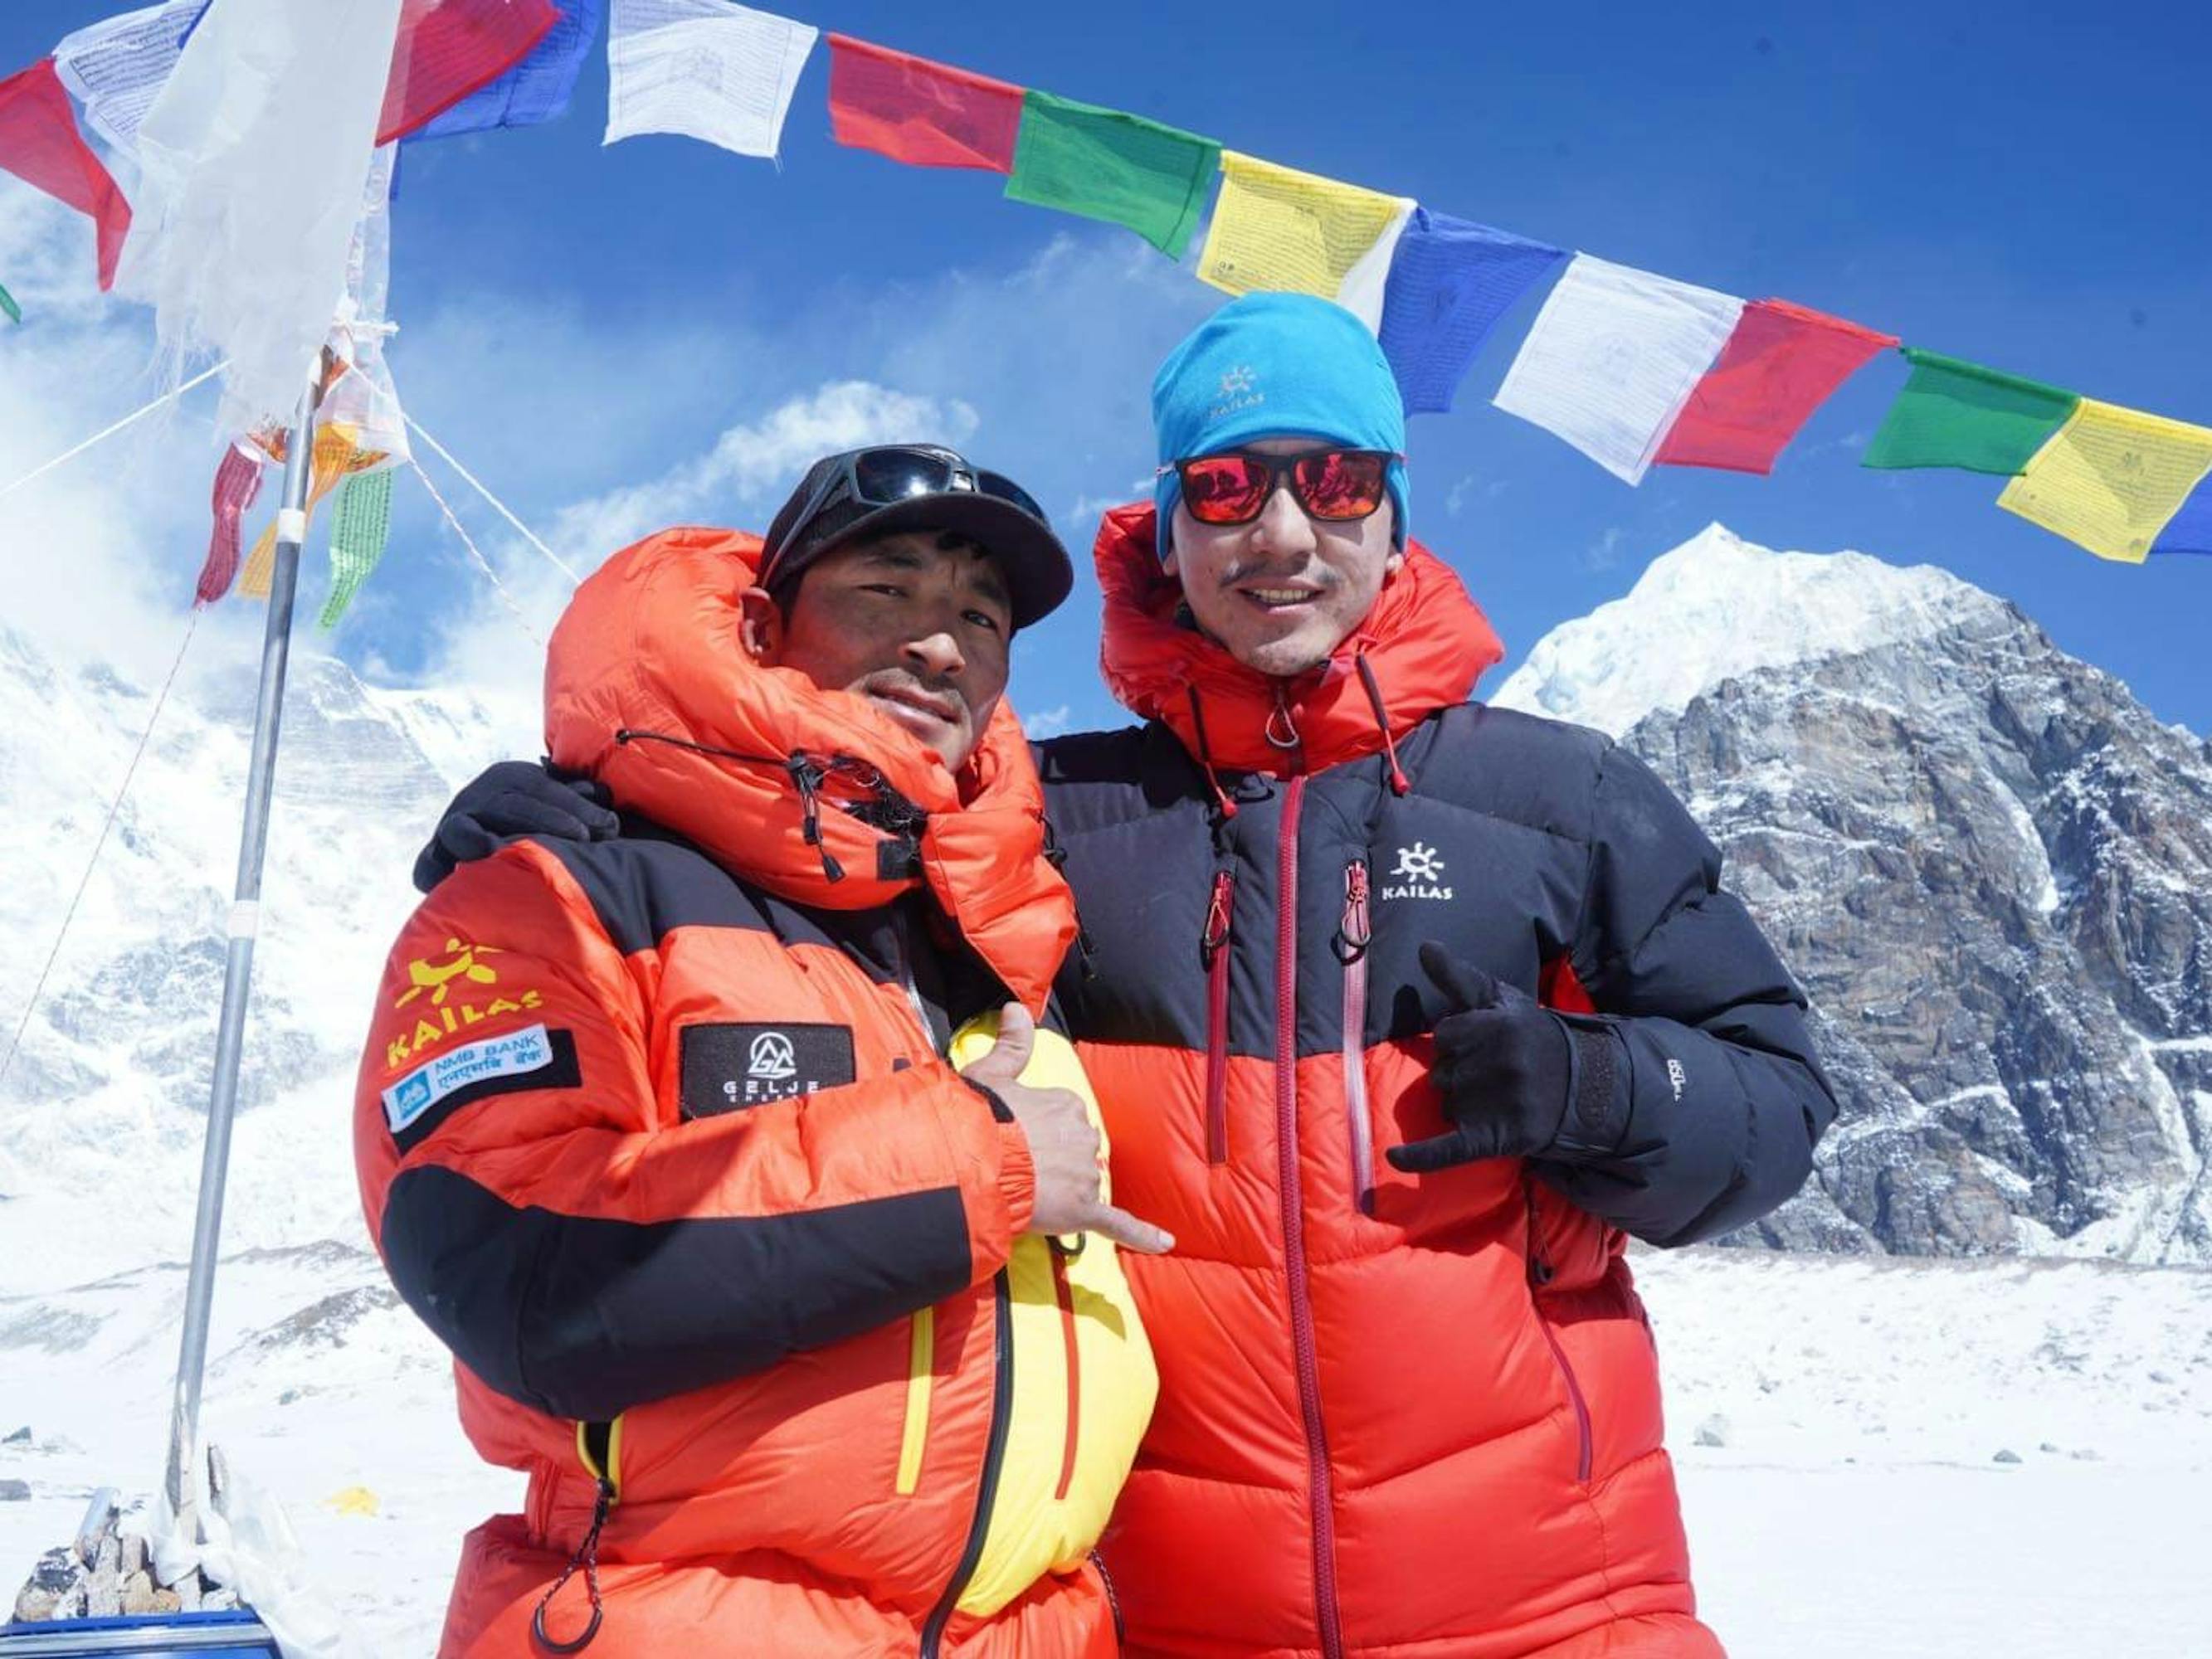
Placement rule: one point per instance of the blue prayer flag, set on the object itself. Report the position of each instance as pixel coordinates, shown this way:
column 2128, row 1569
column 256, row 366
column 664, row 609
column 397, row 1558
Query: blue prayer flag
column 535, row 90
column 2189, row 531
column 1450, row 282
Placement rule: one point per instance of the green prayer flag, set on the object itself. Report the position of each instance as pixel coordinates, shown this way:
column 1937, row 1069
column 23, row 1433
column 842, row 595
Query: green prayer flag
column 1109, row 165
column 7, row 304
column 1954, row 413
column 359, row 529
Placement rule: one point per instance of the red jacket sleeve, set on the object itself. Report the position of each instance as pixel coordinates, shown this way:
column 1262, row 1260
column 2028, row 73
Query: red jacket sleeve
column 581, row 1249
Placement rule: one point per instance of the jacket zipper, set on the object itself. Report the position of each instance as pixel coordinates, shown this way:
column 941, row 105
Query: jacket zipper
column 1212, row 946
column 995, row 1454
column 1113, row 1600
column 1541, row 1275
column 1293, row 1213
column 1353, row 934
column 902, row 943
column 1002, row 1387
column 1064, row 1294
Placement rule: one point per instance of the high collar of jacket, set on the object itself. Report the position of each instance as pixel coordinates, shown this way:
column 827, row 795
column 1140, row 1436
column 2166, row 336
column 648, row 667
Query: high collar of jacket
column 1420, row 649
column 648, row 689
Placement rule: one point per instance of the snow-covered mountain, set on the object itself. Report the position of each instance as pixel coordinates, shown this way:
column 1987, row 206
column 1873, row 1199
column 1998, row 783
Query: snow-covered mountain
column 103, row 1109
column 1987, row 864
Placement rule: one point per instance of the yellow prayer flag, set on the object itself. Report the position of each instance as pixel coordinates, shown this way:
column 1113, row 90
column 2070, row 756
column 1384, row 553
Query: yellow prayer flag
column 1297, row 232
column 337, row 454
column 2110, row 477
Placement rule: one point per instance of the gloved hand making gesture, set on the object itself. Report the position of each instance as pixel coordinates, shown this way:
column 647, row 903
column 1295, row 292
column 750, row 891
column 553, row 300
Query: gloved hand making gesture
column 1516, row 1079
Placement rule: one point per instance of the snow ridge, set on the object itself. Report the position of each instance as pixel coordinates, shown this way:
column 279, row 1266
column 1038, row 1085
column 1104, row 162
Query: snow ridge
column 1718, row 607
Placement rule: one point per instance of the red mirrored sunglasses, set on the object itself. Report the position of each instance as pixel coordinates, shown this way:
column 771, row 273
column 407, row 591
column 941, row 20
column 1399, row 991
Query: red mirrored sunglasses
column 1336, row 484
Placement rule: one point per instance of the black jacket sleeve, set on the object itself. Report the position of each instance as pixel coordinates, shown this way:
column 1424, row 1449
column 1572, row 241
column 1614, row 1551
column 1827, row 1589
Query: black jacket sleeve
column 1720, row 1100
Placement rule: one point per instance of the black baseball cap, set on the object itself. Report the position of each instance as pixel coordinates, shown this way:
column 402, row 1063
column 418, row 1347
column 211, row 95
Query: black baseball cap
column 888, row 488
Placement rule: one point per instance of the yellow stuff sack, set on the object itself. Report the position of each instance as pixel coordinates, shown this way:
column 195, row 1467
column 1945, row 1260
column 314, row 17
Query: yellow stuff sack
column 1074, row 1427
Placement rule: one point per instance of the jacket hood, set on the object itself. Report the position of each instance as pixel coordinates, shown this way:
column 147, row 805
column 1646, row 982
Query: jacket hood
column 648, row 689
column 1420, row 649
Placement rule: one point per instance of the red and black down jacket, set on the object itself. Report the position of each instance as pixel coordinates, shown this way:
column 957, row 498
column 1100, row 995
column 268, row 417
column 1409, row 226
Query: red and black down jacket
column 1399, row 1415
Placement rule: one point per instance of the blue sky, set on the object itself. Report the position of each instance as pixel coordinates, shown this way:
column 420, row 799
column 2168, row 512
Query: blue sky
column 603, row 334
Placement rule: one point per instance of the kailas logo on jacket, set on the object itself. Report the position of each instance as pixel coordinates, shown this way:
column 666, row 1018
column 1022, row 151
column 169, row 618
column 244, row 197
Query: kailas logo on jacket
column 1419, row 873
column 728, row 1067
column 449, row 995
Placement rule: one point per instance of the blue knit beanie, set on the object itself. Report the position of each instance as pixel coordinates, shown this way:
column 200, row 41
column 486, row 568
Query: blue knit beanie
column 1276, row 365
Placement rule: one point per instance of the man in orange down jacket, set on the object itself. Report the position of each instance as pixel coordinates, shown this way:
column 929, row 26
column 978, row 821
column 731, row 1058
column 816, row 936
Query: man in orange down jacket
column 790, row 1323
column 1406, row 1012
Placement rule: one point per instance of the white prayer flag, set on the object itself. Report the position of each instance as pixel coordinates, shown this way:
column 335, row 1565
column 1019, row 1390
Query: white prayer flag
column 1366, row 282
column 115, row 67
column 1614, row 357
column 253, row 162
column 706, row 69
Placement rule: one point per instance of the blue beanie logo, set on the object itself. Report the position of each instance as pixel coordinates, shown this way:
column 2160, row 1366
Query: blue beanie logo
column 1236, row 391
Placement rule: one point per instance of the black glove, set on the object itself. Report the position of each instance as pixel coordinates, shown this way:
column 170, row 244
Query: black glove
column 1509, row 1069
column 515, row 798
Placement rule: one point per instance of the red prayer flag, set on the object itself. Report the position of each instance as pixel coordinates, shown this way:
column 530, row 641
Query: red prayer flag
column 237, row 482
column 39, row 143
column 447, row 49
column 927, row 114
column 1782, row 363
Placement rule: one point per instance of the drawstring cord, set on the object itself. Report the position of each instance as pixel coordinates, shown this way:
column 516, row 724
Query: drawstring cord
column 1398, row 784
column 891, row 812
column 1205, row 757
column 586, row 1557
column 809, row 778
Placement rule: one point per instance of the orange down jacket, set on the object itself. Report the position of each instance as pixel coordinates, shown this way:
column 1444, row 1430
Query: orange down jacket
column 1407, row 1416
column 657, row 1134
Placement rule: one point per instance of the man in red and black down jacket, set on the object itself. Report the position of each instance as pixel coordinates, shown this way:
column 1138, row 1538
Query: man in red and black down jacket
column 770, row 1274
column 1430, row 1005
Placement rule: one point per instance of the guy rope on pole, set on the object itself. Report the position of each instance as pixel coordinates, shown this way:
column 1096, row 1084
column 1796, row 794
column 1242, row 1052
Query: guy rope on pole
column 498, row 505
column 136, row 415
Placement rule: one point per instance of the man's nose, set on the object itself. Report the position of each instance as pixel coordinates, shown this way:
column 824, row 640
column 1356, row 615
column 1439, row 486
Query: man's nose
column 1283, row 525
column 937, row 654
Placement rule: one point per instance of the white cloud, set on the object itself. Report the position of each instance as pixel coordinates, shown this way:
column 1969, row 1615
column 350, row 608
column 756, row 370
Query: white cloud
column 755, row 462
column 1605, row 553
column 1084, row 512
column 1049, row 722
column 97, row 555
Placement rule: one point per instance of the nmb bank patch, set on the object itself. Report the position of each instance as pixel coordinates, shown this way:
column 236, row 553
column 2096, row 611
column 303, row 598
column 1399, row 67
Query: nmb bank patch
column 532, row 1058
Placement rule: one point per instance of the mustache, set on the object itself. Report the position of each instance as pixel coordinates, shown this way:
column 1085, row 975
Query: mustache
column 1320, row 576
column 884, row 680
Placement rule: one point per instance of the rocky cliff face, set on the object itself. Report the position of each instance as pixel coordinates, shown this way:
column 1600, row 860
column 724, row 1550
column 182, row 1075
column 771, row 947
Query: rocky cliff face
column 1991, row 868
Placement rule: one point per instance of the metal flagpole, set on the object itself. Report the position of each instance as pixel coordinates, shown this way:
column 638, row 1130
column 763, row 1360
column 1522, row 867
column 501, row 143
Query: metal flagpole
column 238, row 969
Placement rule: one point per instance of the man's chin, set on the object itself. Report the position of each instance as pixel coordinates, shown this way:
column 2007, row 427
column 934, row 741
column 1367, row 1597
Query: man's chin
column 1285, row 656
column 950, row 742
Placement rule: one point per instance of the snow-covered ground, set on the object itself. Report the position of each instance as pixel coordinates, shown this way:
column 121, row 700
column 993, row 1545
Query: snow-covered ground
column 1861, row 1501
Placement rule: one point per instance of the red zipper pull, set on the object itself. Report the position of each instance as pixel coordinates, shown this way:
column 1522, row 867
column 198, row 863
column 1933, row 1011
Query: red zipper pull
column 1354, row 930
column 1217, row 909
column 1215, row 934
